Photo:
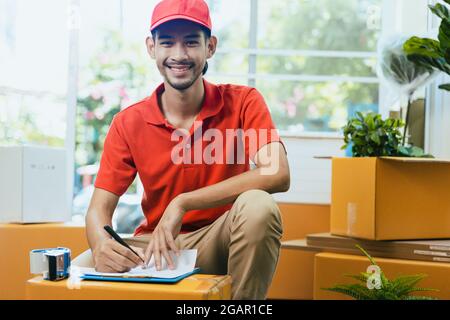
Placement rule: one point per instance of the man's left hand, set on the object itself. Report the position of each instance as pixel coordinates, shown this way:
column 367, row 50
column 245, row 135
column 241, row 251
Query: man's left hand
column 163, row 237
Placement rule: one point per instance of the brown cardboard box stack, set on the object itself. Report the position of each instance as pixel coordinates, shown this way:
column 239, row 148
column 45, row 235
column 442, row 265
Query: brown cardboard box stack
column 376, row 201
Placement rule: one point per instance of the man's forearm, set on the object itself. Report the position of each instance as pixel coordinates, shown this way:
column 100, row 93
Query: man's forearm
column 95, row 221
column 99, row 214
column 228, row 190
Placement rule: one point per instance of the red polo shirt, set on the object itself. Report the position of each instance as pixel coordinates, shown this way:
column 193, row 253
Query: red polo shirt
column 140, row 140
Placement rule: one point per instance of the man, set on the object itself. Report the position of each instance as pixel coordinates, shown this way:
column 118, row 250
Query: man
column 197, row 192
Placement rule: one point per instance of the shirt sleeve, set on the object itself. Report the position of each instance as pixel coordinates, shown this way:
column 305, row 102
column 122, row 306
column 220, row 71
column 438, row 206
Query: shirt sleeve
column 258, row 124
column 117, row 169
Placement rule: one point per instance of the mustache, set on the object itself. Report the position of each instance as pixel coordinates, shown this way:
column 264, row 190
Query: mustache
column 181, row 63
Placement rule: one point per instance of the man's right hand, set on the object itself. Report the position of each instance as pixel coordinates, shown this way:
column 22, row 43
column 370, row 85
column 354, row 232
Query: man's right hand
column 111, row 256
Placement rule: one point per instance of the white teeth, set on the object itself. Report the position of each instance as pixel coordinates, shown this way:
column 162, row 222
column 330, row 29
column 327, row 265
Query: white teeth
column 180, row 69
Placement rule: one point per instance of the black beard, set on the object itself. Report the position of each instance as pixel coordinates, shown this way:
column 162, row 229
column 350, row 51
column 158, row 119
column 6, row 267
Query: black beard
column 182, row 86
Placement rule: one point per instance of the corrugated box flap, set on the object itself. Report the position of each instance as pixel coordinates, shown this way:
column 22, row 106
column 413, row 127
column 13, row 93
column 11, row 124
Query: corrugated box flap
column 416, row 160
column 214, row 287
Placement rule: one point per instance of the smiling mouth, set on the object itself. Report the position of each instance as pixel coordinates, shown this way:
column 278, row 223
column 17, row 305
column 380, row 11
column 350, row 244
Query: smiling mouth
column 180, row 69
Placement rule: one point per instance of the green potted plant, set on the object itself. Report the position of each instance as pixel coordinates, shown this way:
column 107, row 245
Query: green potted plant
column 385, row 191
column 375, row 285
column 431, row 53
column 371, row 136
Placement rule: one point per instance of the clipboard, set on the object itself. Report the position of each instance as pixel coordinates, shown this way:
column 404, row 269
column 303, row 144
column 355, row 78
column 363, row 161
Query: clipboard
column 140, row 279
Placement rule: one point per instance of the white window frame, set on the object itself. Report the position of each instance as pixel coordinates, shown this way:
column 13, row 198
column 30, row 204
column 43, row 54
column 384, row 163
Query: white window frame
column 437, row 120
column 73, row 25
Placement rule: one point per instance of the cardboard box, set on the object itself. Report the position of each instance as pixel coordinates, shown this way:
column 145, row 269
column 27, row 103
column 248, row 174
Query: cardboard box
column 33, row 185
column 390, row 198
column 16, row 242
column 330, row 269
column 426, row 250
column 293, row 278
column 195, row 287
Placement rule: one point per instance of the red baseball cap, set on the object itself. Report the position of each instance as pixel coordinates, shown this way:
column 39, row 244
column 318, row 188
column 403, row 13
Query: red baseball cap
column 193, row 10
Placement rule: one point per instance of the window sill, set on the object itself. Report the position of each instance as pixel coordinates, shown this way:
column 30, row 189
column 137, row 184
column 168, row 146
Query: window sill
column 312, row 135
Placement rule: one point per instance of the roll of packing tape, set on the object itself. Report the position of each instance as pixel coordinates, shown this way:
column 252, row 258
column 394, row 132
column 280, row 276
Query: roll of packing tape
column 52, row 263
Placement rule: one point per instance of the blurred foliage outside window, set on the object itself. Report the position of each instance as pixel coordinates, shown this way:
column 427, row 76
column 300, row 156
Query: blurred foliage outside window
column 305, row 67
column 33, row 72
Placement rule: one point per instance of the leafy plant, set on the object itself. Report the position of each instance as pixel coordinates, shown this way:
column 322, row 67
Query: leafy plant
column 371, row 136
column 397, row 289
column 430, row 53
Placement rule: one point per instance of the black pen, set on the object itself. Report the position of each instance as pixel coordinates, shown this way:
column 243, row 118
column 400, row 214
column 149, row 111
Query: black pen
column 120, row 240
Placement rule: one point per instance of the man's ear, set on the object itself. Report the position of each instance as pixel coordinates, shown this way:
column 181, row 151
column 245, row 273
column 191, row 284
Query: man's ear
column 150, row 47
column 212, row 46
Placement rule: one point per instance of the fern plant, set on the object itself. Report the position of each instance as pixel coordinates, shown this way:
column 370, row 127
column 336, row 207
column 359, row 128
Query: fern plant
column 397, row 289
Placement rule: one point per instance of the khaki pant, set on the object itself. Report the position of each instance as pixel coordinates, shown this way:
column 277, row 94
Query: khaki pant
column 244, row 242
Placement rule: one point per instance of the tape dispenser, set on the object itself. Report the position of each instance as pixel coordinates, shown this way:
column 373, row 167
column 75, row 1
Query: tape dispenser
column 52, row 263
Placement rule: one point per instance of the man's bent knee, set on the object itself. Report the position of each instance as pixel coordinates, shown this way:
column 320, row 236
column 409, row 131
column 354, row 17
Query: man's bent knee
column 259, row 212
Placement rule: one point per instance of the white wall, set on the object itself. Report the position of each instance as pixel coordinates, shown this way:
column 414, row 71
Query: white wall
column 310, row 177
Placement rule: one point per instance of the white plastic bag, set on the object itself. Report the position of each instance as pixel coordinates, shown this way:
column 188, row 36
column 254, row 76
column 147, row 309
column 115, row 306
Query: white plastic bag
column 395, row 70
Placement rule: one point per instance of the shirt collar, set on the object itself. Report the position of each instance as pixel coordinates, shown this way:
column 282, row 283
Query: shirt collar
column 212, row 104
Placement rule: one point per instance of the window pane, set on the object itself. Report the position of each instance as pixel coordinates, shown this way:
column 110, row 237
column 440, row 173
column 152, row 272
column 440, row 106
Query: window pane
column 230, row 19
column 115, row 69
column 223, row 79
column 328, row 31
column 228, row 63
column 30, row 118
column 355, row 67
column 115, row 72
column 33, row 77
column 306, row 106
column 346, row 25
